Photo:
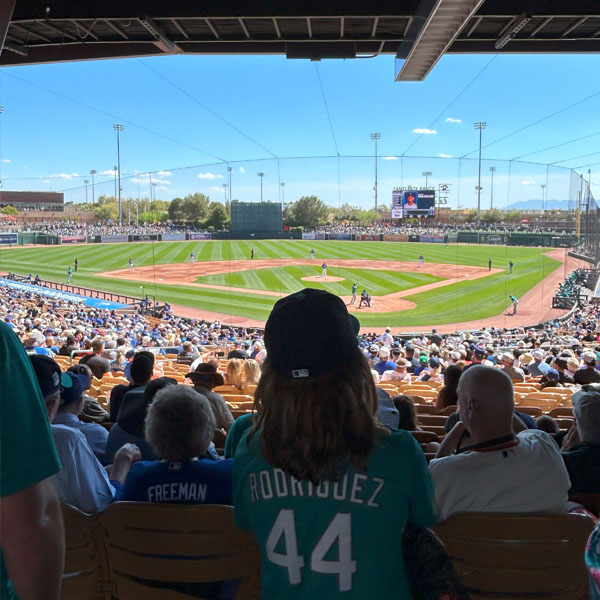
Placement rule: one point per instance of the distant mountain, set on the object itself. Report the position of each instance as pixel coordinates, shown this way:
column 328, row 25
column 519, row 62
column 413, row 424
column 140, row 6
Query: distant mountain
column 537, row 205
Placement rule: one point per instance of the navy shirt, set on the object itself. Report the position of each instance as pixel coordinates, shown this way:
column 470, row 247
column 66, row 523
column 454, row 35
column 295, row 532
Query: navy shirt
column 202, row 481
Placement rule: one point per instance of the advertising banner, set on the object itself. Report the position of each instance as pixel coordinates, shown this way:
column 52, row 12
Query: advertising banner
column 340, row 236
column 107, row 239
column 320, row 236
column 198, row 236
column 73, row 239
column 493, row 238
column 395, row 238
column 173, row 237
column 367, row 237
column 308, row 235
column 145, row 237
column 414, row 238
column 94, row 239
column 433, row 239
column 8, row 238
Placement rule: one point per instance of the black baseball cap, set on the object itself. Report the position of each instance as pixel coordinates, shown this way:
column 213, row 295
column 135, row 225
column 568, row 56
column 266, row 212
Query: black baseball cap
column 310, row 334
column 48, row 374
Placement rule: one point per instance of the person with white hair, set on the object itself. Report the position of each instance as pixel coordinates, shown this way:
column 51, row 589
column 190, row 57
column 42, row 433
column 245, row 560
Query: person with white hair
column 179, row 427
column 581, row 446
column 588, row 373
column 538, row 367
column 515, row 373
column 259, row 353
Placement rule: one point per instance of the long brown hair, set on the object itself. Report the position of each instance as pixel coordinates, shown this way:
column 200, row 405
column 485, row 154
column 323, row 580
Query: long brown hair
column 313, row 428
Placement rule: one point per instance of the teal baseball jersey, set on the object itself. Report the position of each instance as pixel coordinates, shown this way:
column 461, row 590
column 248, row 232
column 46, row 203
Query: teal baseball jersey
column 337, row 539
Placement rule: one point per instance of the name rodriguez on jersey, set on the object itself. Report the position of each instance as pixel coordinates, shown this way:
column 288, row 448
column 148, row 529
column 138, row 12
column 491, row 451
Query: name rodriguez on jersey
column 355, row 488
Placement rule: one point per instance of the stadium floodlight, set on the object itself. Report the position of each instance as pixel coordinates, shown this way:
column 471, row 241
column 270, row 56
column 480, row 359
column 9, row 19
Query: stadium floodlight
column 261, row 175
column 543, row 186
column 86, row 181
column 515, row 26
column 282, row 192
column 93, row 172
column 426, row 174
column 118, row 128
column 229, row 169
column 480, row 126
column 375, row 137
column 492, row 171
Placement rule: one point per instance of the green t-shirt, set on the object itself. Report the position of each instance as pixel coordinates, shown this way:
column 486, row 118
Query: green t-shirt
column 27, row 452
column 236, row 432
column 334, row 540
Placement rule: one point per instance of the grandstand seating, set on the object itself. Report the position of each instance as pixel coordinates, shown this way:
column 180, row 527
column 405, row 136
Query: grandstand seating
column 519, row 556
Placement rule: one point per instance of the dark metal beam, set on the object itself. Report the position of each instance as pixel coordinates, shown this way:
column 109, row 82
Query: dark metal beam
column 6, row 10
column 539, row 27
column 374, row 29
column 244, row 27
column 87, row 32
column 116, row 29
column 29, row 32
column 212, row 28
column 183, row 32
column 56, row 29
column 473, row 27
column 575, row 25
column 276, row 25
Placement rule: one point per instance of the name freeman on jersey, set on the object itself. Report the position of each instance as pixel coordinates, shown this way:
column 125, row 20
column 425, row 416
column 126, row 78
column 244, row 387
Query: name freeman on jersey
column 356, row 488
column 183, row 491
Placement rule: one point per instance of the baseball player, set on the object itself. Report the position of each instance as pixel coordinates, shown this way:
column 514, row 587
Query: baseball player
column 324, row 270
column 312, row 254
column 489, row 264
column 354, row 288
column 131, row 264
column 251, row 252
column 421, row 260
column 511, row 264
column 514, row 301
column 192, row 258
column 69, row 274
column 76, row 263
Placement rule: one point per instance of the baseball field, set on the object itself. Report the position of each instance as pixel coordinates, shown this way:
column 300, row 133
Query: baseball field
column 453, row 287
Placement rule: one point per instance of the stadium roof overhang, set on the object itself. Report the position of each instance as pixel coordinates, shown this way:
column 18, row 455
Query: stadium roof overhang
column 417, row 32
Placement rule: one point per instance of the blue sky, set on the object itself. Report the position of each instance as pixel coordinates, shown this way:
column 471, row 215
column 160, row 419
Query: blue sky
column 186, row 116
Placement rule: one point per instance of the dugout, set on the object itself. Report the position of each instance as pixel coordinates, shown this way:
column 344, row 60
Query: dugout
column 256, row 217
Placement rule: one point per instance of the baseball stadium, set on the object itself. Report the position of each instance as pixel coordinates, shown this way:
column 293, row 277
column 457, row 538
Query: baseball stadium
column 272, row 328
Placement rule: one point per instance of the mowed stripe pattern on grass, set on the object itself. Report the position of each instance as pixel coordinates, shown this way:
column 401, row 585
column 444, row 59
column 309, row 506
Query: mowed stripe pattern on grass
column 457, row 302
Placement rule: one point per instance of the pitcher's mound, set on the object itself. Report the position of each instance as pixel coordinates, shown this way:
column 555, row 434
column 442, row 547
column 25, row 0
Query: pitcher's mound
column 327, row 279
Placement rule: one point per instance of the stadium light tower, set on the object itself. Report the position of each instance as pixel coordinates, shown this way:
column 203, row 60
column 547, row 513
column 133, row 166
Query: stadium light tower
column 118, row 128
column 426, row 174
column 283, row 192
column 492, row 171
column 86, row 181
column 225, row 186
column 375, row 137
column 229, row 169
column 480, row 126
column 92, row 173
column 261, row 175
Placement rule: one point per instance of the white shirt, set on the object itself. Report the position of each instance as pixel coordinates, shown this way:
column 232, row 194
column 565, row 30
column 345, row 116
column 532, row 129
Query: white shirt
column 386, row 339
column 393, row 375
column 82, row 481
column 529, row 477
column 95, row 434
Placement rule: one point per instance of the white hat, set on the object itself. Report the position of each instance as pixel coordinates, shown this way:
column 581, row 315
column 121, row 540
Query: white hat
column 384, row 352
column 374, row 348
column 538, row 354
column 387, row 329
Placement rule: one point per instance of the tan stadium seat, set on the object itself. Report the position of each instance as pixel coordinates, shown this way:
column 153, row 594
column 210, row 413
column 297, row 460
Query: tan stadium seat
column 239, row 412
column 424, row 437
column 237, row 398
column 227, row 389
column 561, row 411
column 437, row 429
column 169, row 543
column 84, row 573
column 449, row 410
column 532, row 411
column 564, row 422
column 519, row 556
column 425, row 409
column 432, row 420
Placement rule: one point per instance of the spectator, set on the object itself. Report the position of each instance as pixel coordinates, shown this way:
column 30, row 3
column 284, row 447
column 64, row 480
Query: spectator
column 31, row 537
column 251, row 372
column 234, row 374
column 408, row 420
column 71, row 406
column 91, row 411
column 581, row 446
column 384, row 364
column 538, row 367
column 515, row 373
column 188, row 355
column 204, row 379
column 180, row 427
column 400, row 373
column 82, row 481
column 433, row 372
column 588, row 373
column 560, row 364
column 142, row 368
column 95, row 361
column 423, row 362
column 68, row 347
column 238, row 352
column 497, row 471
column 317, row 460
column 551, row 380
column 448, row 395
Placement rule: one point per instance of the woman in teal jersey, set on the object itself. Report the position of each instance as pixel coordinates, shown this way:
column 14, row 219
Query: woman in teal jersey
column 325, row 488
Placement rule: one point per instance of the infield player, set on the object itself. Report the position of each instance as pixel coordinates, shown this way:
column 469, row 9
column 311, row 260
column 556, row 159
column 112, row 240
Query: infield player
column 69, row 274
column 131, row 264
column 421, row 260
column 514, row 301
column 192, row 258
column 324, row 270
column 76, row 263
column 354, row 288
column 251, row 252
column 312, row 254
column 511, row 264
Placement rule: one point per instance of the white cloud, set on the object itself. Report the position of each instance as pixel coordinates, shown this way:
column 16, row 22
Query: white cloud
column 242, row 170
column 5, row 160
column 47, row 181
column 451, row 120
column 215, row 188
column 389, row 157
column 528, row 182
column 162, row 188
column 145, row 180
column 442, row 155
column 164, row 173
column 424, row 130
column 208, row 176
column 63, row 175
column 108, row 172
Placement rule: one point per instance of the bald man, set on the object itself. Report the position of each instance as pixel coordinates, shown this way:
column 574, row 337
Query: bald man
column 494, row 469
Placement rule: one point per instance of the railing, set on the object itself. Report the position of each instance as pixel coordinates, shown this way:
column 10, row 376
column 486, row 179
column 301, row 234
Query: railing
column 89, row 292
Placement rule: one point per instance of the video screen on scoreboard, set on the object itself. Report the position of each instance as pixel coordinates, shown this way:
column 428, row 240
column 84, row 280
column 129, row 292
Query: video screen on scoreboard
column 413, row 203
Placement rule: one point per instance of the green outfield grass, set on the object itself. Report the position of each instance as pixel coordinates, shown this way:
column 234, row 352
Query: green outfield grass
column 457, row 302
column 289, row 279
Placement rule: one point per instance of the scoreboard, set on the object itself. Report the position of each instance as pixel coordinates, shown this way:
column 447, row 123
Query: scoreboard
column 409, row 203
